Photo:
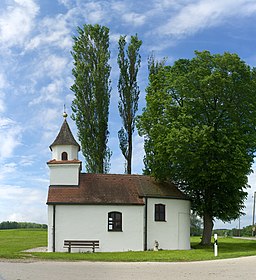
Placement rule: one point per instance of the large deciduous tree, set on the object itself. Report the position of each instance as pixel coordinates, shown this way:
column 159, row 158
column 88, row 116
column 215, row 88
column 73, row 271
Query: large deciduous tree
column 92, row 94
column 199, row 128
column 129, row 62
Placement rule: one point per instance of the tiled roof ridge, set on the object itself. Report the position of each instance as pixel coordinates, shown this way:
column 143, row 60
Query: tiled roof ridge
column 64, row 161
column 65, row 136
column 116, row 174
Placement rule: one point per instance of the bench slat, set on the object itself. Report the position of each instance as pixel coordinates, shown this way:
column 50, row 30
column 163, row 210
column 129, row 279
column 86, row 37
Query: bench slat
column 81, row 241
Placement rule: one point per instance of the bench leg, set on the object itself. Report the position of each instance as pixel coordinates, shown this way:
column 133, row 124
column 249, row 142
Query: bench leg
column 69, row 248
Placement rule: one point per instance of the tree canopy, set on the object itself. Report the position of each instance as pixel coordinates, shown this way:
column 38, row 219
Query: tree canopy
column 199, row 129
column 129, row 62
column 92, row 94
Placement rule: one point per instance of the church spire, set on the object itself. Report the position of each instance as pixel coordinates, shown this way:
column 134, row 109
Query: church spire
column 65, row 136
column 64, row 166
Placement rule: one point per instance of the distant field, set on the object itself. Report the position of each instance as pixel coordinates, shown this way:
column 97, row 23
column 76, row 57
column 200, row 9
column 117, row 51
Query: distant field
column 13, row 242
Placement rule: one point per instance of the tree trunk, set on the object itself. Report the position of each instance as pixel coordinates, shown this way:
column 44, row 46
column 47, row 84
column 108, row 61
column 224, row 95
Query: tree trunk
column 129, row 156
column 207, row 231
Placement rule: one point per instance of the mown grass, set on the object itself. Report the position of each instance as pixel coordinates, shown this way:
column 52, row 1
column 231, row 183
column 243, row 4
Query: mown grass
column 14, row 242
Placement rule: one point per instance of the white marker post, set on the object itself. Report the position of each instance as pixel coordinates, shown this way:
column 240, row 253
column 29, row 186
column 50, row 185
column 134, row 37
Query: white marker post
column 215, row 245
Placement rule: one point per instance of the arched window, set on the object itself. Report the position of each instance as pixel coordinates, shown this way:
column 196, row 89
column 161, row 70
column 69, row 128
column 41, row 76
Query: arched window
column 64, row 156
column 160, row 212
column 114, row 221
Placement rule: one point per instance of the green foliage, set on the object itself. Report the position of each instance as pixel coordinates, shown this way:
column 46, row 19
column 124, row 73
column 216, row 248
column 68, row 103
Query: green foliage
column 242, row 232
column 223, row 232
column 199, row 128
column 129, row 62
column 246, row 231
column 92, row 94
column 15, row 225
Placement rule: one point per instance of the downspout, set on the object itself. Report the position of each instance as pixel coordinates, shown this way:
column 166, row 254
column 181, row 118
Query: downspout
column 146, row 225
column 53, row 227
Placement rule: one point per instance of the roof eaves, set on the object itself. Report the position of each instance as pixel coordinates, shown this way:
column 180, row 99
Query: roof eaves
column 93, row 203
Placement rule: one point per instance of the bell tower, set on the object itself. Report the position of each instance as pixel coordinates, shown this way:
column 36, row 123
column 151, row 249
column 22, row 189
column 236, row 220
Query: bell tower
column 64, row 165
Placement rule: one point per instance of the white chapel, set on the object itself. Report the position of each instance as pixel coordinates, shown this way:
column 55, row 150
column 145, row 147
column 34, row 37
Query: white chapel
column 122, row 212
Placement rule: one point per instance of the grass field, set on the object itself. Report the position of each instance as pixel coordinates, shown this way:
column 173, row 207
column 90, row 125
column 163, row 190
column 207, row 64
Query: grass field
column 13, row 242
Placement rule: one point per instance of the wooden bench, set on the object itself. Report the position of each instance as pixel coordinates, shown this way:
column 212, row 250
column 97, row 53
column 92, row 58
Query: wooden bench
column 81, row 244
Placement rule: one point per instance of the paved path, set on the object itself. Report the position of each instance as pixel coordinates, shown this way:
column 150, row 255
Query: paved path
column 242, row 268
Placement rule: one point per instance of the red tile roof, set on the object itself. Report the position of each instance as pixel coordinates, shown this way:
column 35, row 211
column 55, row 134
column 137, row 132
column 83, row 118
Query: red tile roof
column 112, row 189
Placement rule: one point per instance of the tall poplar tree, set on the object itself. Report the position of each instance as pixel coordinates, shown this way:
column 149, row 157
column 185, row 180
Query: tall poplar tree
column 92, row 94
column 129, row 62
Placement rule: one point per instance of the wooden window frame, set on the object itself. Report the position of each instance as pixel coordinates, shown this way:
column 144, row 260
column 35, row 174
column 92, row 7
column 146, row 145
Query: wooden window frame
column 114, row 221
column 160, row 212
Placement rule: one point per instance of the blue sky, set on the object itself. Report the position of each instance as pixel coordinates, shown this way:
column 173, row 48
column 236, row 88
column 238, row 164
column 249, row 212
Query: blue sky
column 36, row 75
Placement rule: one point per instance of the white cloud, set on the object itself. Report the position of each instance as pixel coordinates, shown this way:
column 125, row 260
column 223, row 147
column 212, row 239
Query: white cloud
column 94, row 12
column 17, row 21
column 35, row 212
column 49, row 94
column 165, row 4
column 56, row 68
column 2, row 103
column 3, row 81
column 134, row 18
column 6, row 169
column 66, row 3
column 53, row 31
column 49, row 119
column 23, row 204
column 202, row 14
column 117, row 164
column 26, row 160
column 2, row 106
column 22, row 194
column 10, row 192
column 118, row 6
column 54, row 65
column 3, row 85
column 10, row 135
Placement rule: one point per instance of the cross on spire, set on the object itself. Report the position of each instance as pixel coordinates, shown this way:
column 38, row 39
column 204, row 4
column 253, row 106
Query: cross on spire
column 64, row 112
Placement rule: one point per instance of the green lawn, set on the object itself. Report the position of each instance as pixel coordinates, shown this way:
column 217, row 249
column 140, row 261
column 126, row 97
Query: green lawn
column 13, row 242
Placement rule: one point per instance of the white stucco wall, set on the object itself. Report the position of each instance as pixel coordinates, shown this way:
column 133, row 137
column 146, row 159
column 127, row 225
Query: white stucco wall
column 174, row 233
column 90, row 222
column 71, row 150
column 50, row 228
column 64, row 174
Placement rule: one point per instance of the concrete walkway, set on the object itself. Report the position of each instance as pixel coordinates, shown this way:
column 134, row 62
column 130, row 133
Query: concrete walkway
column 241, row 268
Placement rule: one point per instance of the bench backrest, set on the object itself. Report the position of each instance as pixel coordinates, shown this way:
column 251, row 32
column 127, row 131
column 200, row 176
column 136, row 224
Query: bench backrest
column 82, row 243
